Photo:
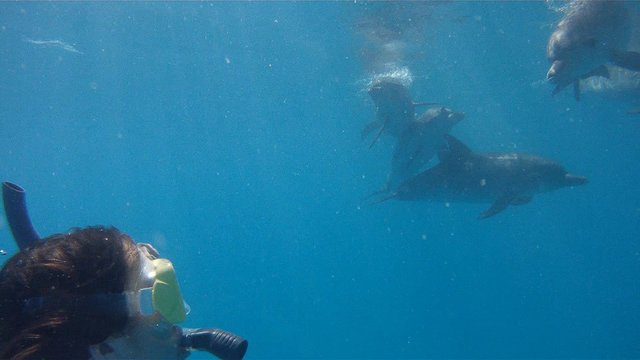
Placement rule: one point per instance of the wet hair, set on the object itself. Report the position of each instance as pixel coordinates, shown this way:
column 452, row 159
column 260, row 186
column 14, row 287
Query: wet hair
column 65, row 267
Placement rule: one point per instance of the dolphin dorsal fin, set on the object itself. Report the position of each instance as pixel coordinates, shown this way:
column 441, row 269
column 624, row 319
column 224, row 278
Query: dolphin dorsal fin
column 456, row 151
column 456, row 146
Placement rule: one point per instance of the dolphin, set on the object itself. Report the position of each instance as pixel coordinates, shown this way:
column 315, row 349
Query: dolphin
column 501, row 179
column 593, row 33
column 420, row 142
column 395, row 109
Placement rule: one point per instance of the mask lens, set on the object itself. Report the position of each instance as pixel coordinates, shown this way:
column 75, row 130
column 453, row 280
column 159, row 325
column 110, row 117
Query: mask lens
column 146, row 302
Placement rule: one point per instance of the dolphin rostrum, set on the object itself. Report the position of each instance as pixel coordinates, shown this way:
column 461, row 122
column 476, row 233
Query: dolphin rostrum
column 593, row 33
column 501, row 179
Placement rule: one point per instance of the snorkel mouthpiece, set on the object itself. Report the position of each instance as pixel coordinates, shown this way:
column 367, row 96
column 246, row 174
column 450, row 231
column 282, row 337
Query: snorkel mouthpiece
column 220, row 343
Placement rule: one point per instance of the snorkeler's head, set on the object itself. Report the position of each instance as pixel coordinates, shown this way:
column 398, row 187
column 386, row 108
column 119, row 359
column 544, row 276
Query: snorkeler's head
column 94, row 294
column 42, row 312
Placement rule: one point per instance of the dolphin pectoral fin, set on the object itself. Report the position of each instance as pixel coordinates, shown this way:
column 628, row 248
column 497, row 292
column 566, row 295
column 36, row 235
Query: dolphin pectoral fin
column 557, row 89
column 369, row 128
column 576, row 90
column 497, row 206
column 377, row 197
column 521, row 200
column 627, row 59
column 601, row 70
column 375, row 140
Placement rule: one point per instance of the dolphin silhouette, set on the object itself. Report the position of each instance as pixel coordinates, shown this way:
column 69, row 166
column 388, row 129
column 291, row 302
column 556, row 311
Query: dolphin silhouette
column 420, row 142
column 501, row 179
column 593, row 33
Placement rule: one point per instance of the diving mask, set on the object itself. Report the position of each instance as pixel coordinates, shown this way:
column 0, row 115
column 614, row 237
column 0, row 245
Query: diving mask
column 157, row 294
column 158, row 289
column 153, row 309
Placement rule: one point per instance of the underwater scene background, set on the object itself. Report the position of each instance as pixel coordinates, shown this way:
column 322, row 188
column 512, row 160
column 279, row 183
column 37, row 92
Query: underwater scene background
column 228, row 134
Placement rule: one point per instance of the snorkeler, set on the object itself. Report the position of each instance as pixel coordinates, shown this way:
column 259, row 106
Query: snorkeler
column 94, row 294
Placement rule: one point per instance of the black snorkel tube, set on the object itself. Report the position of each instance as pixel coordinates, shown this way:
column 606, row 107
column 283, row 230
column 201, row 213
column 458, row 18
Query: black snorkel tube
column 220, row 343
column 15, row 208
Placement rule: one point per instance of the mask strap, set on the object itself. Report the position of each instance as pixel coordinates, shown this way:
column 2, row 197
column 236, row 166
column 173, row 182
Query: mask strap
column 112, row 305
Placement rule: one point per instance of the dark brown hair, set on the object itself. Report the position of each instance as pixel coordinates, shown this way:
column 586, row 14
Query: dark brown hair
column 94, row 260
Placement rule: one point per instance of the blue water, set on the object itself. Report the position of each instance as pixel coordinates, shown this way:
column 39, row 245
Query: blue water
column 228, row 135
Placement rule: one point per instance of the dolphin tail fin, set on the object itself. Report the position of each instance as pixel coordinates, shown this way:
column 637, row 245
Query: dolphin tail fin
column 629, row 60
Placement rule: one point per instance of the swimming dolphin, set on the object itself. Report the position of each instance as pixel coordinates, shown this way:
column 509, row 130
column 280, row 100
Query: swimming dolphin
column 502, row 179
column 395, row 109
column 592, row 34
column 420, row 142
